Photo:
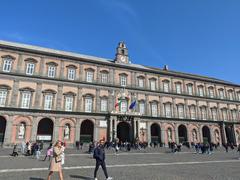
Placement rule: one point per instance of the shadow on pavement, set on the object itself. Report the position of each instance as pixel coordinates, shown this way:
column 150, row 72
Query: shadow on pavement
column 81, row 177
column 34, row 178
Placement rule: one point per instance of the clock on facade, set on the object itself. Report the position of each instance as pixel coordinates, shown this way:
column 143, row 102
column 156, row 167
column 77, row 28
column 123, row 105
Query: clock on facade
column 123, row 59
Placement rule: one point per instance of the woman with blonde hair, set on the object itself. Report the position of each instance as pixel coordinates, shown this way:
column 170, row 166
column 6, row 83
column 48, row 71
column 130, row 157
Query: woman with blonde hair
column 55, row 165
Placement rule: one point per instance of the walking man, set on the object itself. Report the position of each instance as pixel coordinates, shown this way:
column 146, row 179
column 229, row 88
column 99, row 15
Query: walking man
column 99, row 155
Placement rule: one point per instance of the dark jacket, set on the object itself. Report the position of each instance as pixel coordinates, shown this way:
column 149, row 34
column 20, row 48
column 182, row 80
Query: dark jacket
column 99, row 153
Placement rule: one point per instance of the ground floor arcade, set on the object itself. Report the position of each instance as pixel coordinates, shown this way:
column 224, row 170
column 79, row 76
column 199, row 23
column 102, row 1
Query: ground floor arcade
column 17, row 127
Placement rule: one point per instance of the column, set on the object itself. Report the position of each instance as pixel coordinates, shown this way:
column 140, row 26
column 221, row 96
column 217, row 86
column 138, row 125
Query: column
column 38, row 96
column 20, row 67
column 59, row 97
column 98, row 75
column 98, row 101
column 195, row 88
column 115, row 128
column 218, row 112
column 110, row 125
column 223, row 134
column 211, row 133
column 238, row 116
column 34, row 129
column 186, row 109
column 62, row 75
column 81, row 73
column 197, row 109
column 147, row 105
column 228, row 112
column 176, row 134
column 42, row 71
column 79, row 100
column 96, row 133
column 163, row 135
column 111, row 99
column 133, row 79
column 146, row 82
column 134, row 129
column 8, row 135
column 138, row 128
column 171, row 88
column 174, row 107
column 206, row 90
column 159, row 84
column 216, row 93
column 161, row 107
column 184, row 87
column 14, row 96
column 77, row 130
column 208, row 111
column 148, row 133
column 56, row 129
column 200, row 134
column 235, row 134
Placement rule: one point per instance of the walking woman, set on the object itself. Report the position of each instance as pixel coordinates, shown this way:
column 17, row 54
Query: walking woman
column 55, row 165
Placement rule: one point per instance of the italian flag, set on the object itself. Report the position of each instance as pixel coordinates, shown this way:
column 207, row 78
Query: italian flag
column 118, row 103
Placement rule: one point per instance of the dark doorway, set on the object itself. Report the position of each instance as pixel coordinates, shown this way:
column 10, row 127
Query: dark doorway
column 182, row 134
column 2, row 129
column 45, row 130
column 206, row 135
column 86, row 132
column 155, row 133
column 123, row 132
column 230, row 134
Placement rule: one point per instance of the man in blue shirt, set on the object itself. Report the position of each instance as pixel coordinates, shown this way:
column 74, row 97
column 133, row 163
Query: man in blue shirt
column 99, row 155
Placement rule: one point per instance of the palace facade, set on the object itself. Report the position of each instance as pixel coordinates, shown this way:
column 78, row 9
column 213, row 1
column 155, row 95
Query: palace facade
column 46, row 95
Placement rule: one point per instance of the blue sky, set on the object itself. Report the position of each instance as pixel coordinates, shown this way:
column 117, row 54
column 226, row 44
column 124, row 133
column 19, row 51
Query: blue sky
column 193, row 36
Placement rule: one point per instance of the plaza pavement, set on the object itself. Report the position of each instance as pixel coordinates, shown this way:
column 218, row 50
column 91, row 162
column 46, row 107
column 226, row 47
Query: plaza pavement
column 149, row 164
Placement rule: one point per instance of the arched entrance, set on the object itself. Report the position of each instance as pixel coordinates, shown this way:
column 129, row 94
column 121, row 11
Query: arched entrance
column 230, row 134
column 86, row 132
column 182, row 134
column 123, row 132
column 155, row 133
column 45, row 130
column 206, row 134
column 2, row 129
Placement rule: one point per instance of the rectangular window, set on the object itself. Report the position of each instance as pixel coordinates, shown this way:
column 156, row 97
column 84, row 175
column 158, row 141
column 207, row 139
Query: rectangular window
column 224, row 114
column 238, row 95
column 230, row 95
column 30, row 68
column 142, row 108
column 89, row 77
column 104, row 105
column 204, row 113
column 211, row 93
column 214, row 114
column 168, row 112
column 48, row 101
column 190, row 89
column 221, row 94
column 7, row 65
column 153, row 85
column 123, row 106
column 3, row 97
column 88, row 104
column 192, row 112
column 181, row 111
column 166, row 87
column 26, row 98
column 68, row 103
column 104, row 78
column 141, row 83
column 178, row 88
column 154, row 110
column 200, row 91
column 71, row 73
column 123, row 80
column 51, row 71
column 234, row 115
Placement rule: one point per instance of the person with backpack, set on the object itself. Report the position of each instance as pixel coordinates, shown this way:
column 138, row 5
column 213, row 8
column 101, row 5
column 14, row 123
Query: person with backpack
column 99, row 155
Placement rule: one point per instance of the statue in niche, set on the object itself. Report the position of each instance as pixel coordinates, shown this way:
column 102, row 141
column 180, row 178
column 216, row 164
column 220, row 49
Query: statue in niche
column 217, row 138
column 66, row 132
column 169, row 134
column 194, row 135
column 21, row 131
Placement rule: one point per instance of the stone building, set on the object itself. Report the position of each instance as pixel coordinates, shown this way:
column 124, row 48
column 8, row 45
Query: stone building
column 46, row 95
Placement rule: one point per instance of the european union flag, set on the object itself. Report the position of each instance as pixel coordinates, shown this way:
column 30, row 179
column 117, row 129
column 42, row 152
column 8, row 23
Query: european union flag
column 132, row 105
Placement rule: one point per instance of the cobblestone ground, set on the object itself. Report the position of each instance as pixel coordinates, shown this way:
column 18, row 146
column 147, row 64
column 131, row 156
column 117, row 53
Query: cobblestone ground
column 150, row 164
